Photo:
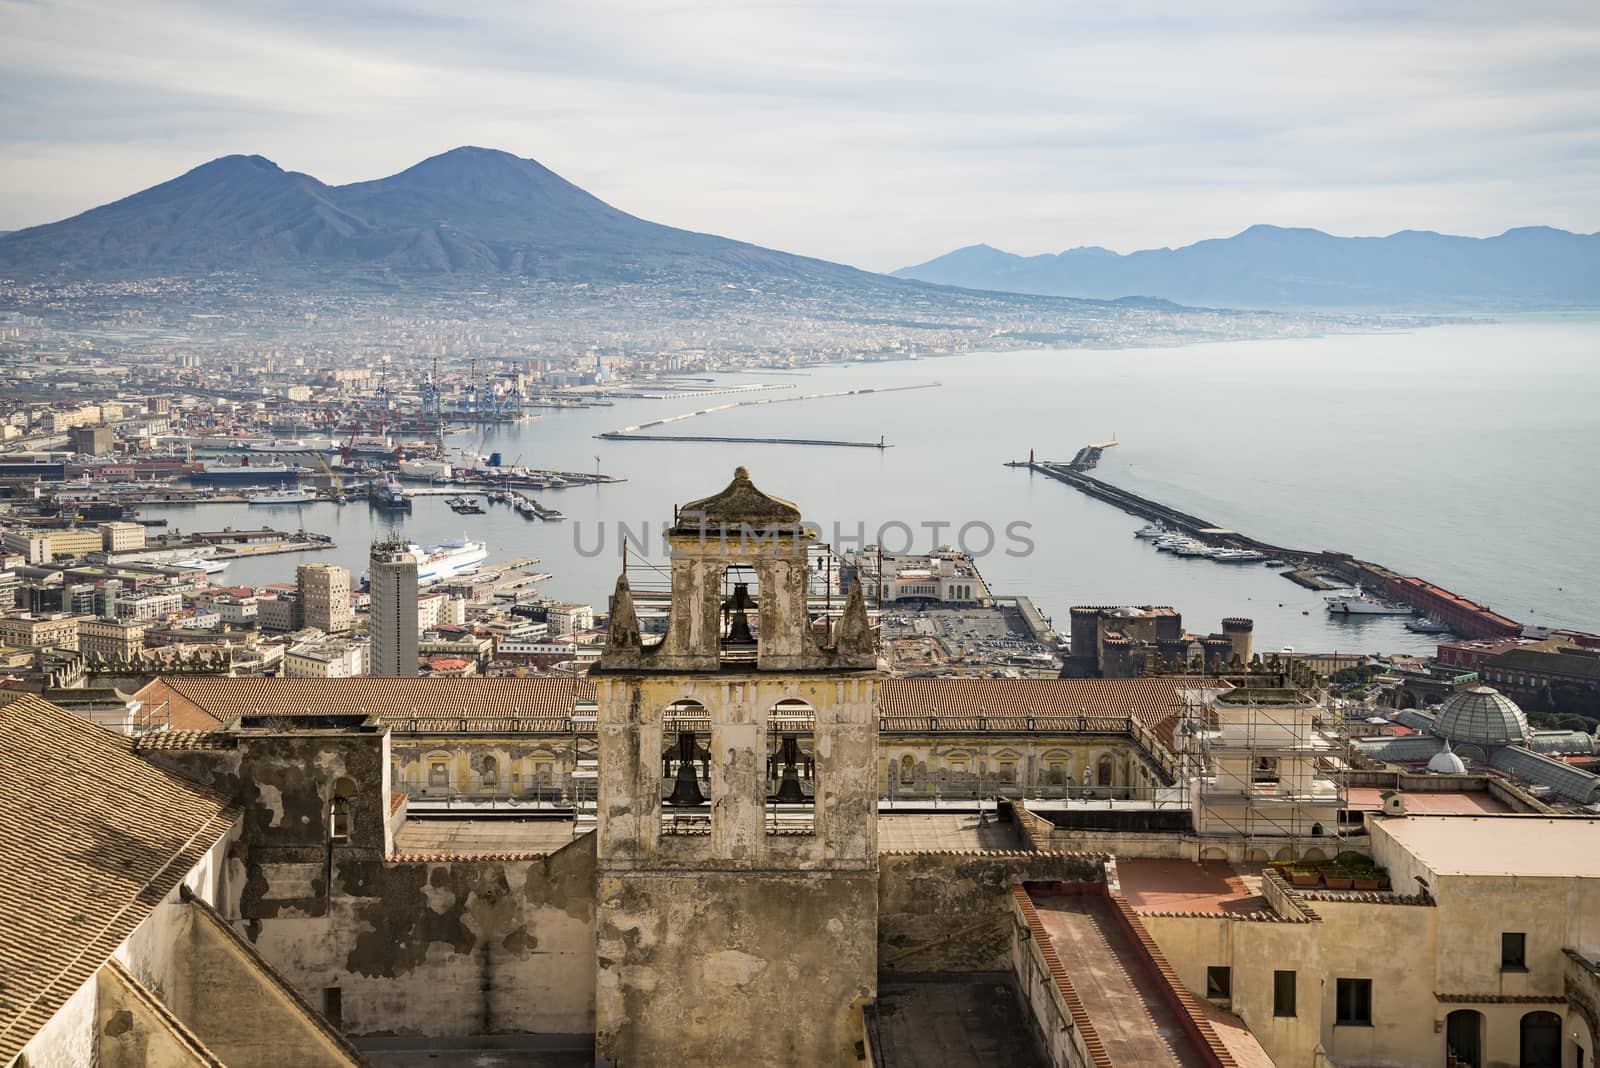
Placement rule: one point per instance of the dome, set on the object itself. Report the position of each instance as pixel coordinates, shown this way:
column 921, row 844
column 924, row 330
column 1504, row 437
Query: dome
column 1483, row 716
column 1445, row 762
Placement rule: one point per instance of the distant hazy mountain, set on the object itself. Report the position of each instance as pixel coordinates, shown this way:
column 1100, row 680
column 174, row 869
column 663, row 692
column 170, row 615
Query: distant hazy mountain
column 1273, row 267
column 470, row 210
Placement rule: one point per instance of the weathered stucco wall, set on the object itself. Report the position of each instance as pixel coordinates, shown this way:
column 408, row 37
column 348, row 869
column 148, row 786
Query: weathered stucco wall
column 951, row 912
column 1048, row 1011
column 467, row 947
column 68, row 1039
column 447, row 947
column 136, row 1031
column 216, row 975
column 1254, row 949
column 734, row 968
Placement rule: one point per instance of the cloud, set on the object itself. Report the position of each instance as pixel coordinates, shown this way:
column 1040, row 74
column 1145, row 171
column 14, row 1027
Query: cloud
column 878, row 133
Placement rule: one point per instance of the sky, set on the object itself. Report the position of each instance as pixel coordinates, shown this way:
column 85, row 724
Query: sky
column 879, row 133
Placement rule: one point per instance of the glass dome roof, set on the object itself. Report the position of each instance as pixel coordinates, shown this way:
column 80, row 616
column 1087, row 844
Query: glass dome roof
column 1483, row 716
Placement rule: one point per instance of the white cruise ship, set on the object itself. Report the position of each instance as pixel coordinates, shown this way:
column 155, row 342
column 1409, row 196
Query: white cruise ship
column 448, row 560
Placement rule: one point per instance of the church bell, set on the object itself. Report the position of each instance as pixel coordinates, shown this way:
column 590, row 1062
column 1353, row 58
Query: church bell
column 740, row 603
column 789, row 791
column 686, row 787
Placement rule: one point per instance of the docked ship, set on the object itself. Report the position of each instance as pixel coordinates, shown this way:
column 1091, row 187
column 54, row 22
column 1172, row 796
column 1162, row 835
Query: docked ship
column 428, row 470
column 448, row 560
column 1362, row 604
column 294, row 496
column 210, row 567
column 388, row 493
column 293, row 445
column 1238, row 556
column 372, row 448
column 246, row 473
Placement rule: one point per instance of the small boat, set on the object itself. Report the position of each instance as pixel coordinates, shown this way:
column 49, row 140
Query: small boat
column 1150, row 531
column 525, row 507
column 1238, row 556
column 465, row 506
column 1428, row 625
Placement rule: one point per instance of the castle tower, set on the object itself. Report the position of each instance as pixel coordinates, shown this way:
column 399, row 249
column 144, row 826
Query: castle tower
column 737, row 838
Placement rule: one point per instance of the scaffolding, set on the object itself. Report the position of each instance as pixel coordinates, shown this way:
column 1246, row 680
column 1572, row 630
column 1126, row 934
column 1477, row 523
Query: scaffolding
column 1265, row 765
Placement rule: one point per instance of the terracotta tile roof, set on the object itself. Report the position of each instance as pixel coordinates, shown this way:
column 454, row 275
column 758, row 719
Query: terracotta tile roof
column 91, row 839
column 182, row 740
column 1156, row 701
column 216, row 699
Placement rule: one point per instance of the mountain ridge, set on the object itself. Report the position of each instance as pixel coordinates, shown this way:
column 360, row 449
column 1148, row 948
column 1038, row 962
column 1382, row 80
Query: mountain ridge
column 1285, row 267
column 469, row 210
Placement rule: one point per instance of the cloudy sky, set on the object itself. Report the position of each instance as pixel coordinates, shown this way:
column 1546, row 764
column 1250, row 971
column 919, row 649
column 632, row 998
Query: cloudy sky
column 877, row 132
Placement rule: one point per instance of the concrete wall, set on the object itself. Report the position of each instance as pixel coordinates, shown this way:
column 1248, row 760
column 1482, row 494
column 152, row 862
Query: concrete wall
column 216, row 976
column 492, row 946
column 950, row 912
column 68, row 1040
column 469, row 947
column 1254, row 950
column 136, row 1031
column 1052, row 1020
column 738, row 969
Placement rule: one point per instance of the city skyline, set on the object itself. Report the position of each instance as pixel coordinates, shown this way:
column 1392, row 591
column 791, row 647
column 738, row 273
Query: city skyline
column 878, row 137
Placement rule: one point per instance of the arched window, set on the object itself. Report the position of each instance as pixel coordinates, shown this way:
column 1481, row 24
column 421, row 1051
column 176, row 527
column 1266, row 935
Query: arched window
column 339, row 819
column 490, row 772
column 908, row 769
column 1541, row 1040
column 1463, row 1036
column 1316, row 830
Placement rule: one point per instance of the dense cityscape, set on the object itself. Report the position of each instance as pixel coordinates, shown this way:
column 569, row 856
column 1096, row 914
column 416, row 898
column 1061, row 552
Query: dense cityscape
column 448, row 620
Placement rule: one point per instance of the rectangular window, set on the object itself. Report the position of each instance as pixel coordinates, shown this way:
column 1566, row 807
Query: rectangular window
column 333, row 1005
column 1513, row 951
column 1283, row 994
column 1354, row 1006
column 1008, row 771
column 438, row 775
column 1219, row 982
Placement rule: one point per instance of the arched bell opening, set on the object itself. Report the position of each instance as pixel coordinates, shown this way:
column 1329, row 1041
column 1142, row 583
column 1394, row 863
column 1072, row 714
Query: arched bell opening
column 738, row 626
column 791, row 767
column 685, row 764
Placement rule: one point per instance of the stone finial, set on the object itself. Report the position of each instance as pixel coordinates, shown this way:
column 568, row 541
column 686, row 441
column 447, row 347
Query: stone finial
column 623, row 633
column 852, row 638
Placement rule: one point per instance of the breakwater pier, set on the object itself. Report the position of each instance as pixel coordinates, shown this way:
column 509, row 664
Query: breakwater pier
column 639, row 431
column 1464, row 616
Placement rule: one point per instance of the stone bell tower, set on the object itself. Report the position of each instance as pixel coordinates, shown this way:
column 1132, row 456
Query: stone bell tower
column 737, row 839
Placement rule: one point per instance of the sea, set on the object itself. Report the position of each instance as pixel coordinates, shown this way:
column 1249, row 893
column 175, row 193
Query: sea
column 1463, row 453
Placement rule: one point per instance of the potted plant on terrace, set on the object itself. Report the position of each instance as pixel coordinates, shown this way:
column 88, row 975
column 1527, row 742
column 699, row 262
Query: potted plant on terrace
column 1304, row 877
column 1337, row 878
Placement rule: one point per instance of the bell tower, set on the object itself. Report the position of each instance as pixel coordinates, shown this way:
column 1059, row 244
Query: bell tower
column 737, row 837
